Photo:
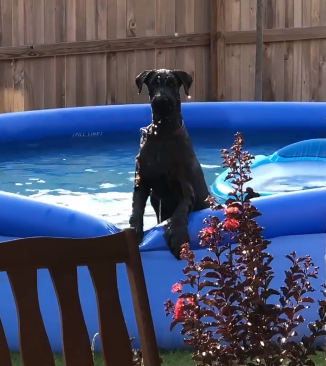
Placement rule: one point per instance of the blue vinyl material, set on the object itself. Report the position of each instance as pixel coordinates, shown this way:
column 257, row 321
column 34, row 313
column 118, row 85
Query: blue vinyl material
column 293, row 221
column 225, row 116
column 313, row 150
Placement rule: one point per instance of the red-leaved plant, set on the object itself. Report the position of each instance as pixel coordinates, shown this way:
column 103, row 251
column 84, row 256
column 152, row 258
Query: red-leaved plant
column 232, row 315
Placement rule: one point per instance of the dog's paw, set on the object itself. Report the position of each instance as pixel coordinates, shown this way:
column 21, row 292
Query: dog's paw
column 139, row 232
column 175, row 238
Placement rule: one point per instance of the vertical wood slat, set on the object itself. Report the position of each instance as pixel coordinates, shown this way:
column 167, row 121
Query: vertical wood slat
column 60, row 62
column 6, row 81
column 131, row 56
column 297, row 54
column 37, row 66
column 189, row 55
column 112, row 9
column 288, row 57
column 81, row 59
column 5, row 355
column 322, row 56
column 278, row 52
column 217, row 67
column 71, row 61
column 28, row 68
column 34, row 344
column 314, row 52
column 100, row 61
column 180, row 28
column 170, row 29
column 75, row 340
column 306, row 52
column 140, row 302
column 112, row 327
column 121, row 70
column 18, row 65
column 62, row 257
column 49, row 64
column 245, row 51
column 90, row 60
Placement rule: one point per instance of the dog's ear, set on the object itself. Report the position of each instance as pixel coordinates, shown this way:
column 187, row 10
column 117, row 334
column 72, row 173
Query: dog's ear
column 184, row 78
column 143, row 78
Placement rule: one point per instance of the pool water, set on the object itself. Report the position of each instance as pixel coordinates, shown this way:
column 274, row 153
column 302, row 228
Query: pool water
column 96, row 175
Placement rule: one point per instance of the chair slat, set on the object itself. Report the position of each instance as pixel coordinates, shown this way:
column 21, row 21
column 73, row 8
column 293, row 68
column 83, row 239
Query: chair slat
column 4, row 348
column 115, row 342
column 141, row 302
column 21, row 259
column 35, row 348
column 75, row 340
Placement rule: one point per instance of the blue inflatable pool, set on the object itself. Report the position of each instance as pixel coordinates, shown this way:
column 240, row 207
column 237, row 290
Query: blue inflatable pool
column 294, row 221
column 298, row 166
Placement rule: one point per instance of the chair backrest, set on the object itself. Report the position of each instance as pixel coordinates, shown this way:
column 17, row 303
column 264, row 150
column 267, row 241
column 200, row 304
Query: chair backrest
column 21, row 259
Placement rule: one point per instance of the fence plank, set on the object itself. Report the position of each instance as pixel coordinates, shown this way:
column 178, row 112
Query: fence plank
column 90, row 60
column 278, row 53
column 18, row 66
column 201, row 24
column 81, row 65
column 297, row 54
column 131, row 56
column 289, row 59
column 6, row 81
column 49, row 64
column 60, row 61
column 121, row 71
column 170, row 27
column 322, row 56
column 71, row 65
column 100, row 70
column 313, row 52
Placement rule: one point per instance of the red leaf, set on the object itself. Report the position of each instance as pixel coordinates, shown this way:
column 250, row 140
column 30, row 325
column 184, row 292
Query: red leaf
column 307, row 299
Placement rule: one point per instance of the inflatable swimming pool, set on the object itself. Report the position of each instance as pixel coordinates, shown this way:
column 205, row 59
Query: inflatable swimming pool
column 293, row 221
column 298, row 166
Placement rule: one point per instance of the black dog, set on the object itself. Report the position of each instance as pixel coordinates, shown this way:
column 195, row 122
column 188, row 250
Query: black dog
column 167, row 168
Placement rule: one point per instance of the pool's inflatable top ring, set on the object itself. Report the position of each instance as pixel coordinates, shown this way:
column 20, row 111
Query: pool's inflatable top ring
column 293, row 162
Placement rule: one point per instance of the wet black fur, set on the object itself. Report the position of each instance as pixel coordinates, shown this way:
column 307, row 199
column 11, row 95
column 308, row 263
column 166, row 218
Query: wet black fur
column 167, row 168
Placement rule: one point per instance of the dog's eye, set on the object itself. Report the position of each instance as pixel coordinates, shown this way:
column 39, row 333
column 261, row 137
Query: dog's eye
column 169, row 81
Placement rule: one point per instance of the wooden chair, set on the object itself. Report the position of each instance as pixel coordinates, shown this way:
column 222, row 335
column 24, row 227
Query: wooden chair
column 21, row 259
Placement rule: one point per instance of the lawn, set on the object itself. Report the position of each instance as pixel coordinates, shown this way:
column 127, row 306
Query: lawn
column 169, row 359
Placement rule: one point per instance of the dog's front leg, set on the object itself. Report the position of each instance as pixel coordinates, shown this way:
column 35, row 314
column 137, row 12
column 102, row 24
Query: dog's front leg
column 176, row 232
column 139, row 199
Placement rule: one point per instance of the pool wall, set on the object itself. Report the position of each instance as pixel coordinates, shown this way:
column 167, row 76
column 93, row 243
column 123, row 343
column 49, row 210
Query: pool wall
column 81, row 122
column 294, row 221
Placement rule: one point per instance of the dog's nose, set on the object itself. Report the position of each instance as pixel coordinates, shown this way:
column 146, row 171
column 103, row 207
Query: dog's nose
column 161, row 97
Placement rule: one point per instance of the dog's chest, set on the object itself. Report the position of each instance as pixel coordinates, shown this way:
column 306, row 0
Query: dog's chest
column 156, row 159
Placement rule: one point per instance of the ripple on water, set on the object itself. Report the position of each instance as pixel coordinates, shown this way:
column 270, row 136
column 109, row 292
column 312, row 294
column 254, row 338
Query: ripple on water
column 97, row 176
column 113, row 206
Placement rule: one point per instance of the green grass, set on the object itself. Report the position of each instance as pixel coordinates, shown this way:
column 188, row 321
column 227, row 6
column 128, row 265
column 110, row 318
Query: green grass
column 169, row 359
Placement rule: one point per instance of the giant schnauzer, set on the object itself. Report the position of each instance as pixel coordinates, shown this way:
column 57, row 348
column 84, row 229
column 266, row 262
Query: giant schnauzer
column 167, row 168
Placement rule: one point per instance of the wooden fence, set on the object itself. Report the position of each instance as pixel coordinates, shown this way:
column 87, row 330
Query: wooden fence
column 62, row 53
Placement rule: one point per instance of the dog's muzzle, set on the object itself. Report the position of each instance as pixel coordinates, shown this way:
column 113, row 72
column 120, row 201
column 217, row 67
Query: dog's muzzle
column 162, row 103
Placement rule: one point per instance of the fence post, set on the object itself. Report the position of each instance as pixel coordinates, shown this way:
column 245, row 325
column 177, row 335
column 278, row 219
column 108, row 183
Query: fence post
column 259, row 52
column 217, row 51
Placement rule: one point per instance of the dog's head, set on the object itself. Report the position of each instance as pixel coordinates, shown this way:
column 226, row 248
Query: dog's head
column 164, row 89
